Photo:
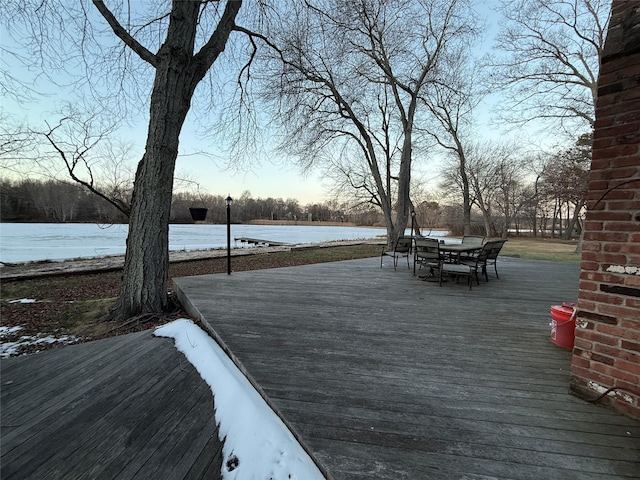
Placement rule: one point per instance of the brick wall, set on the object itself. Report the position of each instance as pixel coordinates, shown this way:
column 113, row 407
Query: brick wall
column 607, row 346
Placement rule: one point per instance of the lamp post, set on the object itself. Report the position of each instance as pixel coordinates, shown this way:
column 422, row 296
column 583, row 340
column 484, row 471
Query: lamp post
column 413, row 218
column 228, row 201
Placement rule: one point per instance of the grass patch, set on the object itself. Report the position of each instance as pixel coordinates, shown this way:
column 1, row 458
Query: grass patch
column 261, row 261
column 81, row 317
column 573, row 258
column 552, row 250
column 302, row 256
column 12, row 291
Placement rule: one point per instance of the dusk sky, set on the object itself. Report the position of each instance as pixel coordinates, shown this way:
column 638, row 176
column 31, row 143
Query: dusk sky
column 272, row 175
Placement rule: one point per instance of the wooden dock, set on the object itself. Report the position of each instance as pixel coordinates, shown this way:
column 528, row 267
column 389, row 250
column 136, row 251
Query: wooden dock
column 385, row 376
column 259, row 242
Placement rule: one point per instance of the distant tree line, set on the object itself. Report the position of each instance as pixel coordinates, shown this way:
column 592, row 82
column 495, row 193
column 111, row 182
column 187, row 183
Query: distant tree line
column 53, row 201
column 509, row 192
column 56, row 201
column 547, row 203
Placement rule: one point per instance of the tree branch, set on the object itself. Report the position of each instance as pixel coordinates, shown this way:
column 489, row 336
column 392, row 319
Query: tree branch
column 71, row 165
column 218, row 39
column 123, row 35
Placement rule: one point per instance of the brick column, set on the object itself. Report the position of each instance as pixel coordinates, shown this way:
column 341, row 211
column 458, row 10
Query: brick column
column 607, row 347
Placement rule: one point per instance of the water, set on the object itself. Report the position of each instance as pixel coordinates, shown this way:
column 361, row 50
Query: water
column 27, row 242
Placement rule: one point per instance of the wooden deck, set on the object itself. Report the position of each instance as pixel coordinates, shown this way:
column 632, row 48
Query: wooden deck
column 382, row 375
column 385, row 376
column 129, row 407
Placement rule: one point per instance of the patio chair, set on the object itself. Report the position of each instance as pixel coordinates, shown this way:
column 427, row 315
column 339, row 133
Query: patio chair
column 492, row 248
column 471, row 240
column 492, row 258
column 402, row 248
column 467, row 267
column 427, row 254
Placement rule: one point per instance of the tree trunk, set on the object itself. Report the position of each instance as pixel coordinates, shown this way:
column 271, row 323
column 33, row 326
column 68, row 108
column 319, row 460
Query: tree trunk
column 392, row 235
column 554, row 220
column 486, row 217
column 534, row 224
column 487, row 224
column 507, row 216
column 404, row 182
column 178, row 72
column 146, row 268
column 466, row 206
column 571, row 224
column 466, row 189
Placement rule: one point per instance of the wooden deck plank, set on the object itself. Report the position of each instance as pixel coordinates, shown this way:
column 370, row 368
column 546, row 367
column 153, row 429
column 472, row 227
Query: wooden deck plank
column 449, row 424
column 540, row 414
column 207, row 462
column 521, row 460
column 49, row 400
column 455, row 383
column 378, row 462
column 68, row 364
column 89, row 454
column 79, row 357
column 384, row 376
column 134, row 419
column 134, row 398
column 164, row 434
column 452, row 430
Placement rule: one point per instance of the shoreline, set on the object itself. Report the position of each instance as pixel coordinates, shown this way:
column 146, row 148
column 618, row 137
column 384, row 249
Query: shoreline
column 25, row 243
column 46, row 268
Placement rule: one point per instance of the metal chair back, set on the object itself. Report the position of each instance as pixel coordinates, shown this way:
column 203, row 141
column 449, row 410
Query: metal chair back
column 426, row 253
column 402, row 248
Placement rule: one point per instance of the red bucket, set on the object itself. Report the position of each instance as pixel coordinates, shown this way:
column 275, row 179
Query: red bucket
column 563, row 324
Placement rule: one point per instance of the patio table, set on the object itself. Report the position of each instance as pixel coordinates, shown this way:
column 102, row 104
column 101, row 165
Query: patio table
column 451, row 249
column 458, row 248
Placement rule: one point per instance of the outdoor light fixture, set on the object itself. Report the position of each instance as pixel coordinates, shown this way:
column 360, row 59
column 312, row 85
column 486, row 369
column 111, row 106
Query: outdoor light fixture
column 228, row 201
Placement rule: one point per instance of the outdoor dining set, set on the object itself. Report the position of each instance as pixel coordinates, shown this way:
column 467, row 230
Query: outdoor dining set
column 441, row 260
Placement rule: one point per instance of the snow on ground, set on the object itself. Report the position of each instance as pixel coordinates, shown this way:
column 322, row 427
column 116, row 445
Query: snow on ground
column 11, row 344
column 257, row 444
column 6, row 331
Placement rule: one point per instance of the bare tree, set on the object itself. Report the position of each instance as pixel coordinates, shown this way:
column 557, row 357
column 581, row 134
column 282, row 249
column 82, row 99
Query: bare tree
column 531, row 193
column 80, row 146
column 565, row 180
column 452, row 104
column 174, row 44
column 11, row 84
column 349, row 91
column 492, row 170
column 549, row 68
column 507, row 170
column 178, row 70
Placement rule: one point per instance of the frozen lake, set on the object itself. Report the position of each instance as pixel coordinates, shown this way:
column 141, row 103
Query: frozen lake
column 27, row 242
